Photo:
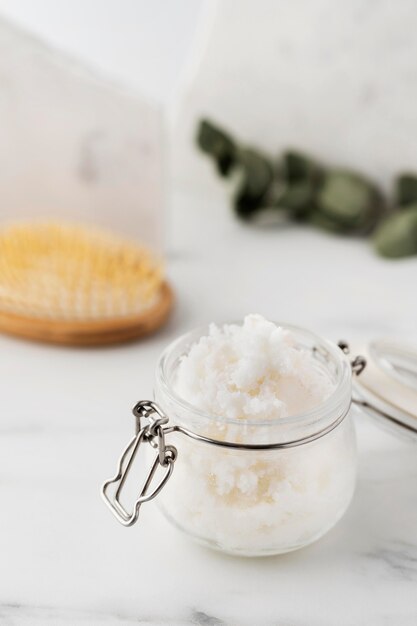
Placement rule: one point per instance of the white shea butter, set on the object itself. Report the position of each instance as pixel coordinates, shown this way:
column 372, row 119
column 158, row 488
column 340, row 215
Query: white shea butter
column 251, row 371
column 250, row 380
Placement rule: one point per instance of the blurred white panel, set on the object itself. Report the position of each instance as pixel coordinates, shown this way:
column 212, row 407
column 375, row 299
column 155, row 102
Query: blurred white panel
column 73, row 146
column 142, row 43
column 334, row 78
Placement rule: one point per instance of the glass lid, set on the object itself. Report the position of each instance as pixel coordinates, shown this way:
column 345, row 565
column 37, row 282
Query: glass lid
column 387, row 388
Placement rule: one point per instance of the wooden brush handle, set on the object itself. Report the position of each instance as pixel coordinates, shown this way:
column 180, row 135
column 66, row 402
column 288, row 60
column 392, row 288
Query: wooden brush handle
column 91, row 333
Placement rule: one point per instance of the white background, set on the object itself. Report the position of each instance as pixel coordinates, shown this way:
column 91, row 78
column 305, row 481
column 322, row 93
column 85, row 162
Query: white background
column 66, row 413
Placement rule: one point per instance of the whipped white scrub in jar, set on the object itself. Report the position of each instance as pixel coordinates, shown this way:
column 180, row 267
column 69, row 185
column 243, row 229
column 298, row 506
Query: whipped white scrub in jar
column 252, row 436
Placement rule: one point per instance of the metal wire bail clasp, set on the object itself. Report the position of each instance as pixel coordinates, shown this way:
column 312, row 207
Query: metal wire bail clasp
column 358, row 363
column 152, row 433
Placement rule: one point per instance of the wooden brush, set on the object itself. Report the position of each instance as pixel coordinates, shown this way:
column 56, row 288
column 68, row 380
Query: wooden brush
column 73, row 285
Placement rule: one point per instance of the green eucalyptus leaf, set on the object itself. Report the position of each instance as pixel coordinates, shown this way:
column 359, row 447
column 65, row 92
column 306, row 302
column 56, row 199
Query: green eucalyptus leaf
column 298, row 166
column 349, row 200
column 246, row 206
column 298, row 198
column 397, row 235
column 216, row 143
column 256, row 180
column 406, row 189
column 302, row 176
column 326, row 223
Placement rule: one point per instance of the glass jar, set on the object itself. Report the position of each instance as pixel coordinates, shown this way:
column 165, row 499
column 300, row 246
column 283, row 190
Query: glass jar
column 256, row 488
column 248, row 487
column 262, row 501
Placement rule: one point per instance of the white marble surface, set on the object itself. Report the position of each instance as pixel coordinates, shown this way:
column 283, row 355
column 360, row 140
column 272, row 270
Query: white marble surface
column 65, row 415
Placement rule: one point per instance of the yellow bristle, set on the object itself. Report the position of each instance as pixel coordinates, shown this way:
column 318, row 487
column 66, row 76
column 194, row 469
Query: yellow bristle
column 68, row 272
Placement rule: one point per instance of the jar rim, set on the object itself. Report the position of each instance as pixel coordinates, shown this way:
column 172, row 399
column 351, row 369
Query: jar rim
column 336, row 403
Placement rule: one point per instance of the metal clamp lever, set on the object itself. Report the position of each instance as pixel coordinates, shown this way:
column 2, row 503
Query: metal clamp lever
column 152, row 433
column 358, row 363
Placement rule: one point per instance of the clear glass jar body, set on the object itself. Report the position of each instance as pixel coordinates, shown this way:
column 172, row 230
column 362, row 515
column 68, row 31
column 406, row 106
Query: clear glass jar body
column 267, row 501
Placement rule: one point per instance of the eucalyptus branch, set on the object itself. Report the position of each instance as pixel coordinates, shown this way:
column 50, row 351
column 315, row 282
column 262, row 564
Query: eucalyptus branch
column 339, row 200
